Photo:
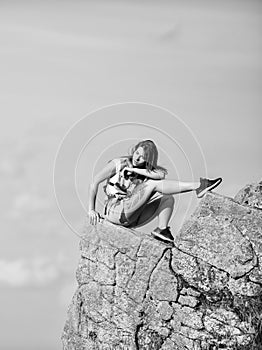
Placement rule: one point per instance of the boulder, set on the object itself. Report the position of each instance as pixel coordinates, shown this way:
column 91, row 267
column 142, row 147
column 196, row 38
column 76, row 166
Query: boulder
column 205, row 292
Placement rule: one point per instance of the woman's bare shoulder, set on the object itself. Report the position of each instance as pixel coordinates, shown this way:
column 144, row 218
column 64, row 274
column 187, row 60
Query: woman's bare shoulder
column 124, row 161
column 119, row 163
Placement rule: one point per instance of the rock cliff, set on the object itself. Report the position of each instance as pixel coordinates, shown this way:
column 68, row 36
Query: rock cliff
column 204, row 293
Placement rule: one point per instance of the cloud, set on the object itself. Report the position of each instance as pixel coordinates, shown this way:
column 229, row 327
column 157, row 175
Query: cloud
column 37, row 271
column 30, row 202
column 169, row 35
column 13, row 273
column 8, row 167
column 66, row 293
column 25, row 204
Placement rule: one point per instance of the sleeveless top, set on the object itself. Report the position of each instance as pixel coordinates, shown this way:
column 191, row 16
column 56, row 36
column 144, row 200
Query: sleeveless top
column 120, row 186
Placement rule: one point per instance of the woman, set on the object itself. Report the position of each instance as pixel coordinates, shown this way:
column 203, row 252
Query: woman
column 137, row 191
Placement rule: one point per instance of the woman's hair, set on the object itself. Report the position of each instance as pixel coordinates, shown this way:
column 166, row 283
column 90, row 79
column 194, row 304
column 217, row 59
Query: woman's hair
column 150, row 155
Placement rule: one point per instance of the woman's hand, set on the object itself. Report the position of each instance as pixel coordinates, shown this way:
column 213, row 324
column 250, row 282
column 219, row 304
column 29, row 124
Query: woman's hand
column 127, row 168
column 154, row 174
column 94, row 217
column 127, row 171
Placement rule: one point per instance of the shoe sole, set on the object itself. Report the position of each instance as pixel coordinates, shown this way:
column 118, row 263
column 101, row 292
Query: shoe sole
column 209, row 188
column 161, row 238
column 168, row 244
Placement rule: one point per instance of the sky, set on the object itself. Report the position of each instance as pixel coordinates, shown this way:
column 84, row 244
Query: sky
column 83, row 81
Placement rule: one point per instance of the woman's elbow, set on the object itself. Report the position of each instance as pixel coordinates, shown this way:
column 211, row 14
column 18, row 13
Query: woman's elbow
column 93, row 186
column 160, row 176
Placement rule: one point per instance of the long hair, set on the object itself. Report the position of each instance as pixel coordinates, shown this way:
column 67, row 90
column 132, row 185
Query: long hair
column 150, row 155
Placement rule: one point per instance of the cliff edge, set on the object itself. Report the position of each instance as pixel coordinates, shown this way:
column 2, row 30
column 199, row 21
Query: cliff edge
column 204, row 293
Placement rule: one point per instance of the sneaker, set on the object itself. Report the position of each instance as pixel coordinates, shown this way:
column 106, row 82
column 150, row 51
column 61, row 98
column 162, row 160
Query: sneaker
column 207, row 185
column 163, row 235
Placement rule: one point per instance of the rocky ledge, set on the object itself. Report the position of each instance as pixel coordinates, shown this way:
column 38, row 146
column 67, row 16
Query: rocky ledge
column 204, row 293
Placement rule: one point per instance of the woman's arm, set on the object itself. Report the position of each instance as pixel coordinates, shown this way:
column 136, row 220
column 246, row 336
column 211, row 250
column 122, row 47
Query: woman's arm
column 153, row 174
column 108, row 171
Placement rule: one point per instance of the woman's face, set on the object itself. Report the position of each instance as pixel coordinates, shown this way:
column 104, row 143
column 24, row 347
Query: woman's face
column 138, row 159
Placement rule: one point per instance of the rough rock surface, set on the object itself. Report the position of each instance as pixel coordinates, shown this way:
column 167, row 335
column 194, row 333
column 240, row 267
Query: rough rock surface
column 250, row 195
column 204, row 293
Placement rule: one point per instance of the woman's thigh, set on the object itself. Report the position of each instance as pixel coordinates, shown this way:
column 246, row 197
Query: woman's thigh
column 138, row 199
column 140, row 217
column 115, row 212
column 127, row 210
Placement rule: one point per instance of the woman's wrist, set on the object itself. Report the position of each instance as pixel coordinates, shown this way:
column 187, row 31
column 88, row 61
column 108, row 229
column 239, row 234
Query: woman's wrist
column 139, row 171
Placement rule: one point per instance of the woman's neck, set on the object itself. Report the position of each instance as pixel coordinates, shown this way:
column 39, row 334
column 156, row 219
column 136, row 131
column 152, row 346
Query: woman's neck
column 129, row 162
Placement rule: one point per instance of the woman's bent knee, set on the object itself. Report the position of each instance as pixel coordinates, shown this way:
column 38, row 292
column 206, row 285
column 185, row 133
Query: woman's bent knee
column 151, row 184
column 168, row 197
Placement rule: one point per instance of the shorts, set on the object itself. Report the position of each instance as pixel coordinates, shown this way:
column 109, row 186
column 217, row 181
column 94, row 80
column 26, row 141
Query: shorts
column 115, row 209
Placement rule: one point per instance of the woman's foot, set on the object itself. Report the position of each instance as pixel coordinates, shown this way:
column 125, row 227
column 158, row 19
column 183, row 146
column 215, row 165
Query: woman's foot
column 207, row 185
column 163, row 235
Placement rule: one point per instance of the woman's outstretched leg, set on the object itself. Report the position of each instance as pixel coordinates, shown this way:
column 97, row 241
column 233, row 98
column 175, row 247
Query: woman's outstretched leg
column 174, row 186
column 143, row 192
